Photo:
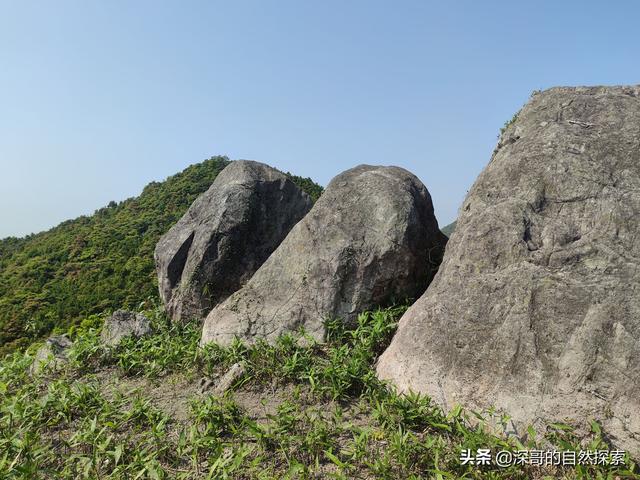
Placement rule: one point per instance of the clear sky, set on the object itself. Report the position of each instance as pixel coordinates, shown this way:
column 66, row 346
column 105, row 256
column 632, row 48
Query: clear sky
column 98, row 98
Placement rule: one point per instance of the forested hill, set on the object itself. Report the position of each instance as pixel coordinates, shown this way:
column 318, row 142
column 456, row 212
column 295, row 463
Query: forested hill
column 95, row 263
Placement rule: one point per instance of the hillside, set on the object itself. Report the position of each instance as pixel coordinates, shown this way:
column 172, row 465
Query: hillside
column 449, row 229
column 95, row 263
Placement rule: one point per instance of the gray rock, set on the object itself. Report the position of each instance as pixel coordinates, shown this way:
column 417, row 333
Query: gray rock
column 536, row 306
column 123, row 324
column 370, row 238
column 225, row 236
column 227, row 381
column 53, row 354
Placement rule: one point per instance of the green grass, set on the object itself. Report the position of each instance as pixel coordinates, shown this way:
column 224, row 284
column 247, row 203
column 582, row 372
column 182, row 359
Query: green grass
column 335, row 419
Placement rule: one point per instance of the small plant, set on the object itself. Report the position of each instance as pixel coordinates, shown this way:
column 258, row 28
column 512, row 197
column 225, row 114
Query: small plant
column 338, row 420
column 510, row 122
column 215, row 416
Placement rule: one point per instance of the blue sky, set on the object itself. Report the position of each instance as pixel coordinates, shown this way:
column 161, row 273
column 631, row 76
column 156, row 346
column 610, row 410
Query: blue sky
column 99, row 98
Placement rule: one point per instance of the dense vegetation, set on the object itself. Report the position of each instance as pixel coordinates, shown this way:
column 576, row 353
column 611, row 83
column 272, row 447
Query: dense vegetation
column 300, row 410
column 95, row 263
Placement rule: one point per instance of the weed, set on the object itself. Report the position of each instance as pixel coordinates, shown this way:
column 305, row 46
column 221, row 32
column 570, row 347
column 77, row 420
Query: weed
column 339, row 422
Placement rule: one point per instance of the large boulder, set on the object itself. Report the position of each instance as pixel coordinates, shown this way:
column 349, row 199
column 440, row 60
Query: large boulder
column 224, row 237
column 370, row 238
column 124, row 324
column 536, row 307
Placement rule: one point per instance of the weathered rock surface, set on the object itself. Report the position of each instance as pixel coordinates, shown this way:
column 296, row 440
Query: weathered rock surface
column 371, row 237
column 53, row 354
column 536, row 306
column 225, row 236
column 123, row 324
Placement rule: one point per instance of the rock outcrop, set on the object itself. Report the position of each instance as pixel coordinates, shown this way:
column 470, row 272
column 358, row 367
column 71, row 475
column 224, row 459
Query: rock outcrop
column 370, row 238
column 123, row 324
column 53, row 354
column 225, row 236
column 536, row 306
